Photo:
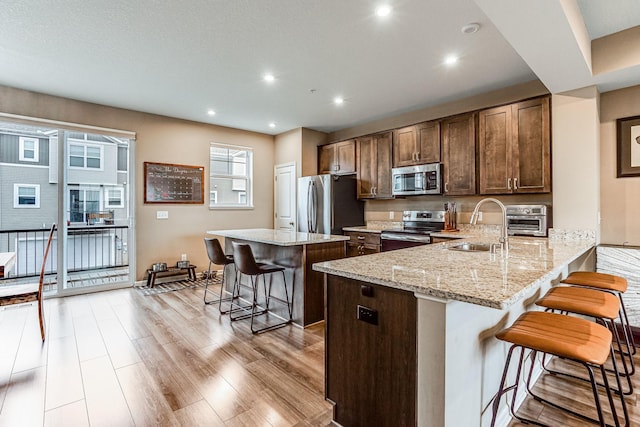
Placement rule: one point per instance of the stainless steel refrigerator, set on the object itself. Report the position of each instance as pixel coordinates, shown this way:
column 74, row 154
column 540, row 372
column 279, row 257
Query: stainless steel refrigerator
column 326, row 203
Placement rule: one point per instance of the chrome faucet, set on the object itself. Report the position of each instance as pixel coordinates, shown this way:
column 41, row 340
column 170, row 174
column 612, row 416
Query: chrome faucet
column 504, row 235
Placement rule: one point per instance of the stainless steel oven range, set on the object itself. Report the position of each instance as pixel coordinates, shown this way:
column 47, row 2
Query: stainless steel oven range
column 528, row 220
column 416, row 229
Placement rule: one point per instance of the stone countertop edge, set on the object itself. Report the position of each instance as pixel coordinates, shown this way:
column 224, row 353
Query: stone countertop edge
column 278, row 237
column 497, row 300
column 363, row 229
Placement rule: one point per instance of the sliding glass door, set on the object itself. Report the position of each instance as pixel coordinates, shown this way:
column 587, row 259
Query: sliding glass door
column 80, row 181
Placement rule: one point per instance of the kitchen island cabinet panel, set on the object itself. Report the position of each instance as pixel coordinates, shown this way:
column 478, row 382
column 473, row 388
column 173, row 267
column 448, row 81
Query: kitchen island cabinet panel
column 370, row 362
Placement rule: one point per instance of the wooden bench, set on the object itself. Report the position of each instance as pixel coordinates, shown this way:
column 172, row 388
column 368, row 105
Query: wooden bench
column 171, row 271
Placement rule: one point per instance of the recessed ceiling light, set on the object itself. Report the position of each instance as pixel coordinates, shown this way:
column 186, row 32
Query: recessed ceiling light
column 383, row 10
column 470, row 28
column 272, row 125
column 211, row 113
column 269, row 78
column 451, row 59
column 338, row 100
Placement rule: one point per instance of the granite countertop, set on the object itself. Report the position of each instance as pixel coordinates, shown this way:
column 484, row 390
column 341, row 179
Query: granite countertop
column 363, row 229
column 375, row 227
column 492, row 280
column 278, row 237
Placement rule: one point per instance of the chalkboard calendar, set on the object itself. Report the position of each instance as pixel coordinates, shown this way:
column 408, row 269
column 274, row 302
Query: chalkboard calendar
column 169, row 183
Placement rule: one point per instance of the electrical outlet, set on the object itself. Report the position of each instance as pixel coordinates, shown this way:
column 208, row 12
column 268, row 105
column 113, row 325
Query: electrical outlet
column 391, row 215
column 480, row 216
column 162, row 214
column 183, row 257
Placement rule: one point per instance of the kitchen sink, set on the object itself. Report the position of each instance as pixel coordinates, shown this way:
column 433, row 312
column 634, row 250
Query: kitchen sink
column 472, row 247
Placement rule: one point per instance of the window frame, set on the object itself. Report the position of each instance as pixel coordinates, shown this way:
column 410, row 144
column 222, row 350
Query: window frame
column 85, row 157
column 36, row 149
column 16, row 196
column 247, row 177
column 107, row 204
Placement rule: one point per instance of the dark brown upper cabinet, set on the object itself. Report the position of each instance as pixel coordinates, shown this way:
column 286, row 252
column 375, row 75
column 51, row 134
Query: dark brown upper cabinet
column 417, row 144
column 515, row 148
column 459, row 155
column 373, row 154
column 338, row 158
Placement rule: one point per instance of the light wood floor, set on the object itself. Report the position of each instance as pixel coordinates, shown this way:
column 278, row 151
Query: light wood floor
column 119, row 358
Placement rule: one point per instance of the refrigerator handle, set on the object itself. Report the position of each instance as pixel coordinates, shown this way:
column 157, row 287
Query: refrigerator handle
column 309, row 206
column 314, row 208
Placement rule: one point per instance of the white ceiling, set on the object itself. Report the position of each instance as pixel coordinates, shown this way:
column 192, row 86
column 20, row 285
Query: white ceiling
column 182, row 58
column 609, row 16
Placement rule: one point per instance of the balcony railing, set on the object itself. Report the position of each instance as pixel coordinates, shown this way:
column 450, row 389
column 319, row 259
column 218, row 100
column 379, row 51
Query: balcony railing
column 88, row 248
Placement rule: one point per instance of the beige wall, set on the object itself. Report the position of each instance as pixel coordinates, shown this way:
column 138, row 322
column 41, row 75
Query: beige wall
column 166, row 140
column 620, row 197
column 576, row 165
column 288, row 148
column 301, row 146
column 310, row 141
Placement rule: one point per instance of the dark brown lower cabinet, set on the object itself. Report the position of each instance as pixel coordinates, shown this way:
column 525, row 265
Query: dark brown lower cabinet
column 371, row 353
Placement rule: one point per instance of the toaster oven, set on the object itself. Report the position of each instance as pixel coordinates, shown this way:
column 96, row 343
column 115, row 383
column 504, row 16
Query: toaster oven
column 528, row 220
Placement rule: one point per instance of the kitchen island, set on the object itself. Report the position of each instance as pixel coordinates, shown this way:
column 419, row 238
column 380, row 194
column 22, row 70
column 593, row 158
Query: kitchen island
column 297, row 252
column 410, row 333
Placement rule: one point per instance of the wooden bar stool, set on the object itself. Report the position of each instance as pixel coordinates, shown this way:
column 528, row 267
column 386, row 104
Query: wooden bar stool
column 217, row 256
column 602, row 306
column 616, row 285
column 567, row 337
column 246, row 264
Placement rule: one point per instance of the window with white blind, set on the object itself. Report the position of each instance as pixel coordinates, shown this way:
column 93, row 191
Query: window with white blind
column 230, row 176
column 26, row 195
column 29, row 149
column 114, row 197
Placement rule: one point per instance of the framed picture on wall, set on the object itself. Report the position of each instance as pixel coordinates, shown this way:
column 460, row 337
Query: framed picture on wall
column 170, row 183
column 628, row 146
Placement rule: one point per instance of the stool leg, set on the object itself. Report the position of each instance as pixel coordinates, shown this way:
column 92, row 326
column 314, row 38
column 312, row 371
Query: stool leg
column 286, row 295
column 206, row 284
column 614, row 331
column 626, row 319
column 501, row 389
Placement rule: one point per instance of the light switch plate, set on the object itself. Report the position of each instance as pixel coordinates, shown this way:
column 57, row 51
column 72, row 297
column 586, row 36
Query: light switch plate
column 162, row 215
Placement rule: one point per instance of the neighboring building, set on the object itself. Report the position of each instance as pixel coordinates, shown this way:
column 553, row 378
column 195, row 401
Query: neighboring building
column 97, row 178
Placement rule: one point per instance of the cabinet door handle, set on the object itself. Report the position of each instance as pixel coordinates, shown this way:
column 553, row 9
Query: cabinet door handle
column 515, row 184
column 446, row 187
column 360, row 237
column 508, row 183
column 418, row 156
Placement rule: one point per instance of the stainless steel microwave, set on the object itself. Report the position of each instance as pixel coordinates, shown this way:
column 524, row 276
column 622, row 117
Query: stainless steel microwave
column 416, row 180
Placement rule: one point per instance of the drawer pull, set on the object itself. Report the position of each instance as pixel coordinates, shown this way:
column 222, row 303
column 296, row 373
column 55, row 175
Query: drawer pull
column 366, row 291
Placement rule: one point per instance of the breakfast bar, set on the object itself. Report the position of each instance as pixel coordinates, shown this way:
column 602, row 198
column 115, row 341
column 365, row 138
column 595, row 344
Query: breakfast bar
column 410, row 333
column 297, row 252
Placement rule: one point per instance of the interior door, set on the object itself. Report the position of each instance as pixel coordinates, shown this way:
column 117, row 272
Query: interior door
column 284, row 203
